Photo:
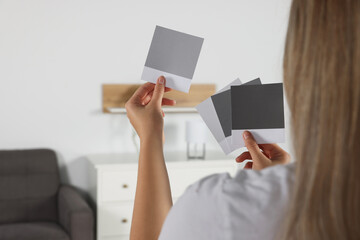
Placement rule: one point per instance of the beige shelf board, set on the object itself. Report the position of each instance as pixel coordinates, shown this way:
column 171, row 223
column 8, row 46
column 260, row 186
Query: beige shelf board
column 166, row 110
column 116, row 95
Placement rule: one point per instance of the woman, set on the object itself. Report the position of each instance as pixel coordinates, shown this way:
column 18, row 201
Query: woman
column 316, row 198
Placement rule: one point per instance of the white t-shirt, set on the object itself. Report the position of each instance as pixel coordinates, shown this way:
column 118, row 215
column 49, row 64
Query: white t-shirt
column 249, row 206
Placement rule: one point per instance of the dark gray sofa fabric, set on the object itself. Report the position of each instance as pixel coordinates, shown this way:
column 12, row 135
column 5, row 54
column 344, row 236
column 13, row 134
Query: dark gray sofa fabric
column 75, row 215
column 33, row 203
column 32, row 231
column 29, row 181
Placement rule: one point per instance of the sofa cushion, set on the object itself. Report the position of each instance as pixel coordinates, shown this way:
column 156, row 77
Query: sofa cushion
column 32, row 231
column 29, row 181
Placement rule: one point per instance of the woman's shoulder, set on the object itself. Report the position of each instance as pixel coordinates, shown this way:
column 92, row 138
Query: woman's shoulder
column 279, row 176
column 253, row 203
column 228, row 207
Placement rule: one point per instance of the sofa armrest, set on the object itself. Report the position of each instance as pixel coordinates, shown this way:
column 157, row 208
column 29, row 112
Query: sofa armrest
column 75, row 215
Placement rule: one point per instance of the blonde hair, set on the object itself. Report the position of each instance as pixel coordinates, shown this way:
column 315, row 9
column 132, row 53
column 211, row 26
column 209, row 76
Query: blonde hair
column 322, row 83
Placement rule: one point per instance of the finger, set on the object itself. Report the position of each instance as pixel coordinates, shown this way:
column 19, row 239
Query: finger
column 142, row 91
column 253, row 147
column 271, row 147
column 273, row 150
column 168, row 102
column 263, row 151
column 148, row 97
column 248, row 165
column 244, row 156
column 162, row 112
column 158, row 91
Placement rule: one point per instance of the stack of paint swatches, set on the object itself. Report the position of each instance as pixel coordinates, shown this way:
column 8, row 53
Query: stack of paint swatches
column 252, row 106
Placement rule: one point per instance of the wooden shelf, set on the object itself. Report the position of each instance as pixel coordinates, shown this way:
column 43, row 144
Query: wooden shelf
column 116, row 95
column 165, row 109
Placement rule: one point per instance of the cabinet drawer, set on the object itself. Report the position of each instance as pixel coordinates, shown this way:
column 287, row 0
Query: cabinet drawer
column 118, row 185
column 114, row 220
column 180, row 179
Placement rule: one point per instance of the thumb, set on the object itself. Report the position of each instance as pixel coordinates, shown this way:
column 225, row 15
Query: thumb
column 252, row 146
column 158, row 91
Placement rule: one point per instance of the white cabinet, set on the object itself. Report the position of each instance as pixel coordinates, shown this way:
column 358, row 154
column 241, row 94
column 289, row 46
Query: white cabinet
column 117, row 185
column 113, row 184
column 114, row 219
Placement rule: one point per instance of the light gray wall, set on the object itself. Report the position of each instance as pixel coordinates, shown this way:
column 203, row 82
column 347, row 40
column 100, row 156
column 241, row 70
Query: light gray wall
column 54, row 56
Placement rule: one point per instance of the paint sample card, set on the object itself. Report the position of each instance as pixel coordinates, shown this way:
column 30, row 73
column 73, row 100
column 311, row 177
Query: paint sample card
column 222, row 104
column 208, row 113
column 260, row 110
column 174, row 55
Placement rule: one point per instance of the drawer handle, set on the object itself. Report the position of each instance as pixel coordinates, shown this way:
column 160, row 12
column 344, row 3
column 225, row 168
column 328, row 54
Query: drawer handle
column 125, row 186
column 124, row 220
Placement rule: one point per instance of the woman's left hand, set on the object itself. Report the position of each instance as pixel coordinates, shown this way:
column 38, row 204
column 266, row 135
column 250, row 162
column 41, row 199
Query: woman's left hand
column 144, row 109
column 262, row 155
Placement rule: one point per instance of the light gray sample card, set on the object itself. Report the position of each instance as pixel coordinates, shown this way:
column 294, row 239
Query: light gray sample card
column 260, row 110
column 174, row 55
column 222, row 104
column 209, row 115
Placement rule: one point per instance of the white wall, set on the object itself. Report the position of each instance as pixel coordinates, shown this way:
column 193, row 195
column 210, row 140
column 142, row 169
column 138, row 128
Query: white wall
column 54, row 56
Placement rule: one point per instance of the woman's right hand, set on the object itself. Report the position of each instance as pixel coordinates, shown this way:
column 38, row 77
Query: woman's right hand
column 262, row 155
column 144, row 109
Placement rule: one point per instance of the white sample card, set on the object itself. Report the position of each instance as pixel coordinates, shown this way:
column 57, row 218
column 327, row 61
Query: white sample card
column 173, row 55
column 208, row 113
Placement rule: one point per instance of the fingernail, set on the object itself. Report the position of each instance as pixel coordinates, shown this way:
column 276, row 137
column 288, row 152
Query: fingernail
column 161, row 80
column 246, row 135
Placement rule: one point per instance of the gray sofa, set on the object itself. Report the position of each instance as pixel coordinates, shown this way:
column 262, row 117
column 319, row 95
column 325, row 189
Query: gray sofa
column 33, row 203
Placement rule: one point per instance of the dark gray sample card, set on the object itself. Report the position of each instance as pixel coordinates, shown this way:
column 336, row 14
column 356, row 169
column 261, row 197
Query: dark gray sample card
column 222, row 104
column 257, row 107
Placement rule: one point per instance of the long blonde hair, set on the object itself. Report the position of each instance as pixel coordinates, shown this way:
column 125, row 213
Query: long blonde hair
column 322, row 83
